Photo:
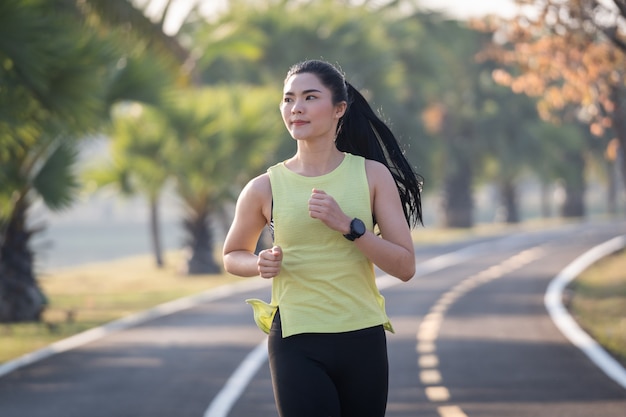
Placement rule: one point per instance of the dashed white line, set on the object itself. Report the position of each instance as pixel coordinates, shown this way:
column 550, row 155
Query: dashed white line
column 430, row 377
column 437, row 394
column 429, row 328
column 428, row 361
column 451, row 411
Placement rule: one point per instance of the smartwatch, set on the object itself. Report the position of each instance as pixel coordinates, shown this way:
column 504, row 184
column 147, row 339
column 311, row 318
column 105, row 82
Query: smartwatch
column 357, row 229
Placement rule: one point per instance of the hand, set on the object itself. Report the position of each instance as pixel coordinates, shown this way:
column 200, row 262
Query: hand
column 324, row 207
column 269, row 262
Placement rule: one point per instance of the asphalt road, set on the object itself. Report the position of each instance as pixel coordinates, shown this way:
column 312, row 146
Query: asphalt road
column 473, row 338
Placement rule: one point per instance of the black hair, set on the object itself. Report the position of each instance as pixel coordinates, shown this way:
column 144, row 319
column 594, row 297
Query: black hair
column 361, row 132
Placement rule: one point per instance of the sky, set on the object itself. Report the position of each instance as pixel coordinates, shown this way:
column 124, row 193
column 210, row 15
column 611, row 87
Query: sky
column 460, row 9
column 463, row 9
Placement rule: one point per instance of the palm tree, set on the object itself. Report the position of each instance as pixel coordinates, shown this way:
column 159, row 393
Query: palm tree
column 54, row 93
column 139, row 161
column 51, row 97
column 225, row 135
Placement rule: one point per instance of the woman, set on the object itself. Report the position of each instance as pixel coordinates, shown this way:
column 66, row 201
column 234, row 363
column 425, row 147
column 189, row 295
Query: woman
column 326, row 320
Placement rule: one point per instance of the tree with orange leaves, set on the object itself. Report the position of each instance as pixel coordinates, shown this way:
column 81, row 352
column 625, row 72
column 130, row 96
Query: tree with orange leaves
column 572, row 55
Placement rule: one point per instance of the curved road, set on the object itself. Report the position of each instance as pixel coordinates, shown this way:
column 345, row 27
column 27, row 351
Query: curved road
column 473, row 338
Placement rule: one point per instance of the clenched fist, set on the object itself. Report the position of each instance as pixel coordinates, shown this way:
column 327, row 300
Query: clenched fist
column 323, row 207
column 269, row 262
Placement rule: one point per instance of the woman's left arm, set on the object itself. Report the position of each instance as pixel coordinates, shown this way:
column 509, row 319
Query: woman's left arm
column 393, row 251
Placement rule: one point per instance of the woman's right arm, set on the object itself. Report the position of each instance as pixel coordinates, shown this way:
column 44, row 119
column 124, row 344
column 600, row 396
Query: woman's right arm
column 252, row 212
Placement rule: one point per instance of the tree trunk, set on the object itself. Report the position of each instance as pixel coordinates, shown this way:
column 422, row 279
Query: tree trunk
column 546, row 194
column 508, row 200
column 21, row 299
column 457, row 203
column 155, row 232
column 200, row 246
column 611, row 192
column 619, row 126
column 574, row 201
column 621, row 166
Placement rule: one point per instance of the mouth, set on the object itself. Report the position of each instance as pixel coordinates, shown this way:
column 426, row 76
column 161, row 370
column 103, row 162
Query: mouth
column 298, row 122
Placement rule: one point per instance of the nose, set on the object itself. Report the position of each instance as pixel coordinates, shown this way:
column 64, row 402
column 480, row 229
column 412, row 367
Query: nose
column 296, row 108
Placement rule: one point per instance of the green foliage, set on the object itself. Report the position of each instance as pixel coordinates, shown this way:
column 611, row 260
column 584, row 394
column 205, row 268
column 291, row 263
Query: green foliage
column 557, row 143
column 56, row 90
column 140, row 137
column 54, row 76
column 124, row 17
column 55, row 182
column 326, row 30
column 419, row 69
column 50, row 94
column 224, row 135
column 141, row 76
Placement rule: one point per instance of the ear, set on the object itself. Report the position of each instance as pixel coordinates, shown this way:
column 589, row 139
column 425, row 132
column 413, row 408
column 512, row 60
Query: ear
column 340, row 109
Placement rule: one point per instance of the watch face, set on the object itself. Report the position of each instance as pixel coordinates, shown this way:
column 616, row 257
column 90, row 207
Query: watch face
column 358, row 227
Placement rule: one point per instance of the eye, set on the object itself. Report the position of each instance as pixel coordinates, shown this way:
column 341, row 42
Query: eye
column 310, row 97
column 287, row 100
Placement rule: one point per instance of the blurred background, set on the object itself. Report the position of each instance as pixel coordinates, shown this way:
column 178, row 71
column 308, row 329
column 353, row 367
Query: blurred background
column 129, row 127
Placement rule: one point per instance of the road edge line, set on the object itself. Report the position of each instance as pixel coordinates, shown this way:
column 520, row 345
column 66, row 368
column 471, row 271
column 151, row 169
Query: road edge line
column 99, row 332
column 565, row 322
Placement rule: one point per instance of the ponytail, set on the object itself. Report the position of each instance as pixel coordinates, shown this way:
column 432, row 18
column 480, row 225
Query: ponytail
column 361, row 132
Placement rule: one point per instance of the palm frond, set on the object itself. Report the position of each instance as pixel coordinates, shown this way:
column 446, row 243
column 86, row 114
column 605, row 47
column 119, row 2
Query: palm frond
column 55, row 182
column 123, row 13
column 140, row 78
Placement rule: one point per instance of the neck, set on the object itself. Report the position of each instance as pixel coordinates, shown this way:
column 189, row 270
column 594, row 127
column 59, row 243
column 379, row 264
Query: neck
column 315, row 162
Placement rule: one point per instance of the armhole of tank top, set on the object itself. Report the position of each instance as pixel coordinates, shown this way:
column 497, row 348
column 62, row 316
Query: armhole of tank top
column 368, row 184
column 271, row 225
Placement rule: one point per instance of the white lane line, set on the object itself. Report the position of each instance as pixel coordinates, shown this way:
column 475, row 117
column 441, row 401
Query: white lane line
column 239, row 380
column 565, row 322
column 437, row 394
column 428, row 361
column 451, row 411
column 430, row 377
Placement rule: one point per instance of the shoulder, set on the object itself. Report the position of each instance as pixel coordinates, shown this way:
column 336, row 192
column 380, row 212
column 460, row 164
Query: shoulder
column 377, row 172
column 256, row 198
column 259, row 185
column 258, row 190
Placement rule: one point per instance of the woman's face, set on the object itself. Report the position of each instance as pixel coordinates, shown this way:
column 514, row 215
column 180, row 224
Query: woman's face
column 308, row 110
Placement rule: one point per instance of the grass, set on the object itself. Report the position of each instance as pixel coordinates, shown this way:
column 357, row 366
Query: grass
column 87, row 296
column 599, row 303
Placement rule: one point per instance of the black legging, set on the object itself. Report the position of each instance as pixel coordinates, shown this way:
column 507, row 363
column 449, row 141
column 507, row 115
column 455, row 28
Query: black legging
column 329, row 374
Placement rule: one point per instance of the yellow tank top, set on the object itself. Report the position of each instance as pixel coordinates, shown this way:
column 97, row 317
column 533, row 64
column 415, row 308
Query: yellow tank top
column 326, row 285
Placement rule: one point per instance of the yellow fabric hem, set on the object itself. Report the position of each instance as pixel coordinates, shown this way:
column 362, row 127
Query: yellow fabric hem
column 263, row 313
